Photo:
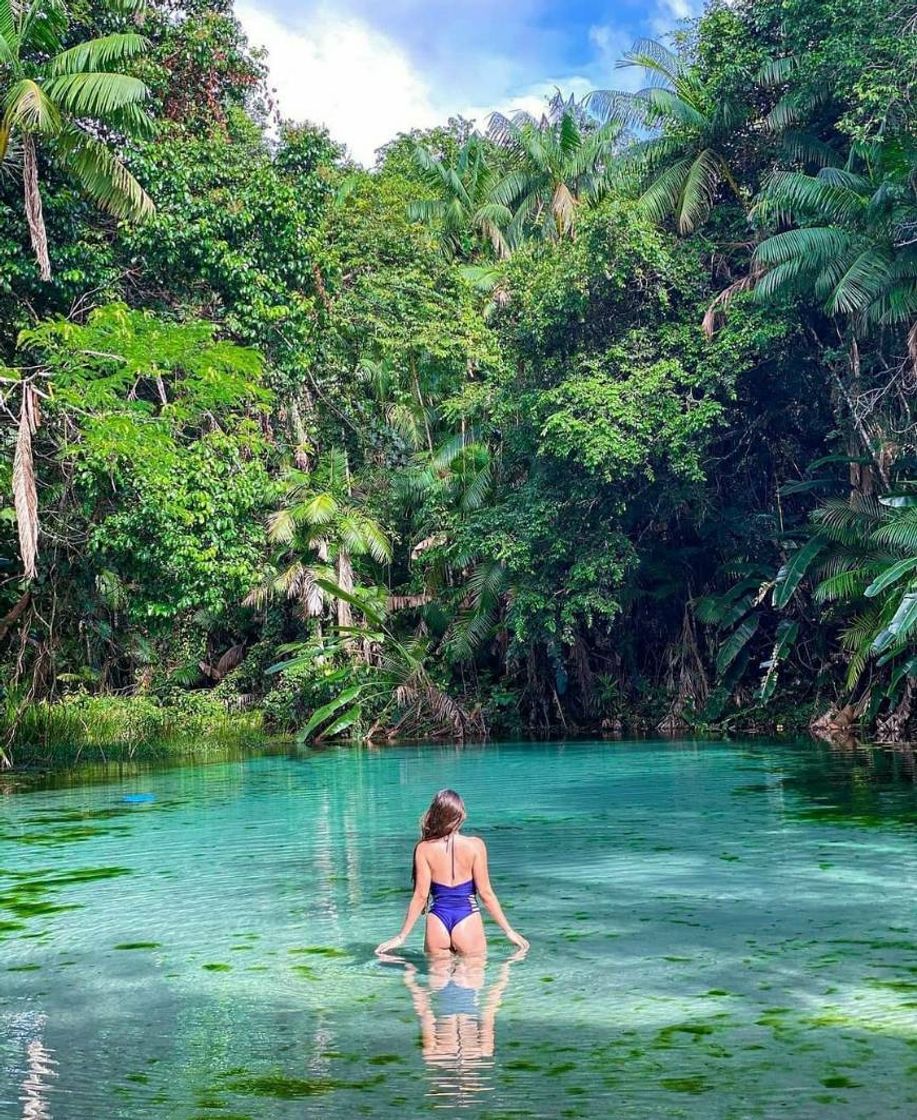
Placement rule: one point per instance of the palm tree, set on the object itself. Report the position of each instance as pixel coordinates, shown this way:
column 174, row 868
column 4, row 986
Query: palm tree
column 862, row 555
column 320, row 528
column 462, row 201
column 855, row 243
column 556, row 163
column 687, row 164
column 68, row 101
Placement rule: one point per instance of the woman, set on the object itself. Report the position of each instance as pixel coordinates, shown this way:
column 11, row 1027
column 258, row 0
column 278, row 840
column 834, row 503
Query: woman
column 453, row 868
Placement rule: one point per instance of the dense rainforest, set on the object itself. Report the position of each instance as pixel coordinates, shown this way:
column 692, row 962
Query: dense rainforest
column 592, row 421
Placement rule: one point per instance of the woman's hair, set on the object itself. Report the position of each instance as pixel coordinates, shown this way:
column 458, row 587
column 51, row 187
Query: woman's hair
column 445, row 815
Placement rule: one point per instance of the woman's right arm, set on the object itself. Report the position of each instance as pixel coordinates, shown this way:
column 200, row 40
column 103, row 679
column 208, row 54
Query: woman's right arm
column 488, row 895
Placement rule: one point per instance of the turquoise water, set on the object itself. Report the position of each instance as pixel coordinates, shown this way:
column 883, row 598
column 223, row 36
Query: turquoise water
column 717, row 931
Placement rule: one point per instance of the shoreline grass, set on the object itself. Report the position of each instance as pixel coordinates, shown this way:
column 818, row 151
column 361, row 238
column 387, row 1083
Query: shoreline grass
column 85, row 729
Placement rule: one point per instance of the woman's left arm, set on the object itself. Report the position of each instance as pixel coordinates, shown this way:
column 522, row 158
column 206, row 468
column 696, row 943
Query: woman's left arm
column 415, row 906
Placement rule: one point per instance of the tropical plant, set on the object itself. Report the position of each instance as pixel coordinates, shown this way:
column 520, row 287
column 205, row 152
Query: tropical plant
column 555, row 164
column 854, row 247
column 735, row 615
column 462, row 207
column 687, row 164
column 69, row 101
column 397, row 689
column 861, row 555
column 320, row 529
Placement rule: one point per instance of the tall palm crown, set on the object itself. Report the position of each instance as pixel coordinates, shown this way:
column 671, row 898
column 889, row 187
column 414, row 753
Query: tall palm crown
column 462, row 200
column 555, row 163
column 67, row 100
column 685, row 165
column 320, row 529
column 855, row 245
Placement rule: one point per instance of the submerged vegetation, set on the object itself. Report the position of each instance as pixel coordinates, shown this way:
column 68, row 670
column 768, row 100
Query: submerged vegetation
column 541, row 425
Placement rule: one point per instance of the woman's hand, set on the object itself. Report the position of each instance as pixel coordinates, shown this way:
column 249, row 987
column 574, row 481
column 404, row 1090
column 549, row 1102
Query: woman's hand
column 387, row 946
column 517, row 939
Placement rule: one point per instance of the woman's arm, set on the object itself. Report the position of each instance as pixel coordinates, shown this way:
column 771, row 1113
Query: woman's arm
column 421, row 1000
column 415, row 906
column 488, row 895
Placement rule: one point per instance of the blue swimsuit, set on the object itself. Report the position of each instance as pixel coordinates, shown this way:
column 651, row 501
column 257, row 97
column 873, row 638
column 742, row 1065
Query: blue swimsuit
column 452, row 904
column 455, row 999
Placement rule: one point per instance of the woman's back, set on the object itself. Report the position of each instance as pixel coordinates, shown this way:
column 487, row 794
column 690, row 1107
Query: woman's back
column 450, row 874
column 450, row 858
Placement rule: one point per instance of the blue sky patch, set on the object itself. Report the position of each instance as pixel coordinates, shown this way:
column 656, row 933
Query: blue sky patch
column 369, row 69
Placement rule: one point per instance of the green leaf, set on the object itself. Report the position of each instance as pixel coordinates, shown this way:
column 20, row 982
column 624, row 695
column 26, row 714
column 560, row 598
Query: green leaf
column 97, row 54
column 103, row 177
column 736, row 642
column 327, row 710
column 348, row 719
column 890, row 576
column 808, row 484
column 293, row 663
column 27, row 106
column 908, row 669
column 784, row 639
column 338, row 592
column 901, row 625
column 863, row 460
column 791, row 574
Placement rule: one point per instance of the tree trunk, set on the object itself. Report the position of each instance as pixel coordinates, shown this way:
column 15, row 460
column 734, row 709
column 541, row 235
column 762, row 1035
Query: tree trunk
column 33, row 211
column 345, row 582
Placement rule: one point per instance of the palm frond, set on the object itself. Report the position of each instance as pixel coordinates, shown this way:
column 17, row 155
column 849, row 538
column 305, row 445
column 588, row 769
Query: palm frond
column 663, row 195
column 103, row 177
column 27, row 106
column 659, row 63
column 42, row 25
column 94, row 94
column 98, row 54
column 698, row 192
column 666, row 105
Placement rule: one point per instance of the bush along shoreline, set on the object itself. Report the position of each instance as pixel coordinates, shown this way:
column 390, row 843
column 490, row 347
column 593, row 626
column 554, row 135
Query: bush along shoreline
column 81, row 728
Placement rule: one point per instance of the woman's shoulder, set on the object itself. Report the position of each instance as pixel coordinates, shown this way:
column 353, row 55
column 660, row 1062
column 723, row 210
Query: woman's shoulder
column 476, row 842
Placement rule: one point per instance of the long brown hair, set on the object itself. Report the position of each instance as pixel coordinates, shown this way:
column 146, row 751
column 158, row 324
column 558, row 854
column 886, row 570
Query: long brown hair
column 445, row 816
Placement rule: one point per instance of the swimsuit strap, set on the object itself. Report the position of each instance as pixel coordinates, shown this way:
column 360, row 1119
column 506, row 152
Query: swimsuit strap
column 453, row 857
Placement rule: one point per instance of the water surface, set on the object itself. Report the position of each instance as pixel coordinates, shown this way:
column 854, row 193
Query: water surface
column 717, row 931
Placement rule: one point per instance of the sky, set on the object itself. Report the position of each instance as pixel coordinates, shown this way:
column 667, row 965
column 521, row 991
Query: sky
column 369, row 69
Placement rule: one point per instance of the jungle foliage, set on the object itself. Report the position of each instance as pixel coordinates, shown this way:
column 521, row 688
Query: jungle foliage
column 555, row 424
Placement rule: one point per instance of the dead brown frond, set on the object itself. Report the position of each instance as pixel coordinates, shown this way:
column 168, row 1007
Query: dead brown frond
column 230, row 660
column 25, row 491
column 715, row 315
column 434, row 541
column 406, row 602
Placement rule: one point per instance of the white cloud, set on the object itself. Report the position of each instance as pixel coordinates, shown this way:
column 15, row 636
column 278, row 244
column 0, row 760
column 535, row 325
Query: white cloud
column 340, row 72
column 669, row 13
column 332, row 66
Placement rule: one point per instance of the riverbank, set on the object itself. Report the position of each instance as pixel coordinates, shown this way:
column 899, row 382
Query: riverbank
column 82, row 728
column 86, row 729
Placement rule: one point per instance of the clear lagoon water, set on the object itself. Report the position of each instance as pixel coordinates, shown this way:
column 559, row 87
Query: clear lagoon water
column 717, row 930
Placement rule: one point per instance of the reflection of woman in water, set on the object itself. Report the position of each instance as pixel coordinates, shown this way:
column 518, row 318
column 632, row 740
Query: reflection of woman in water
column 453, row 869
column 457, row 1021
